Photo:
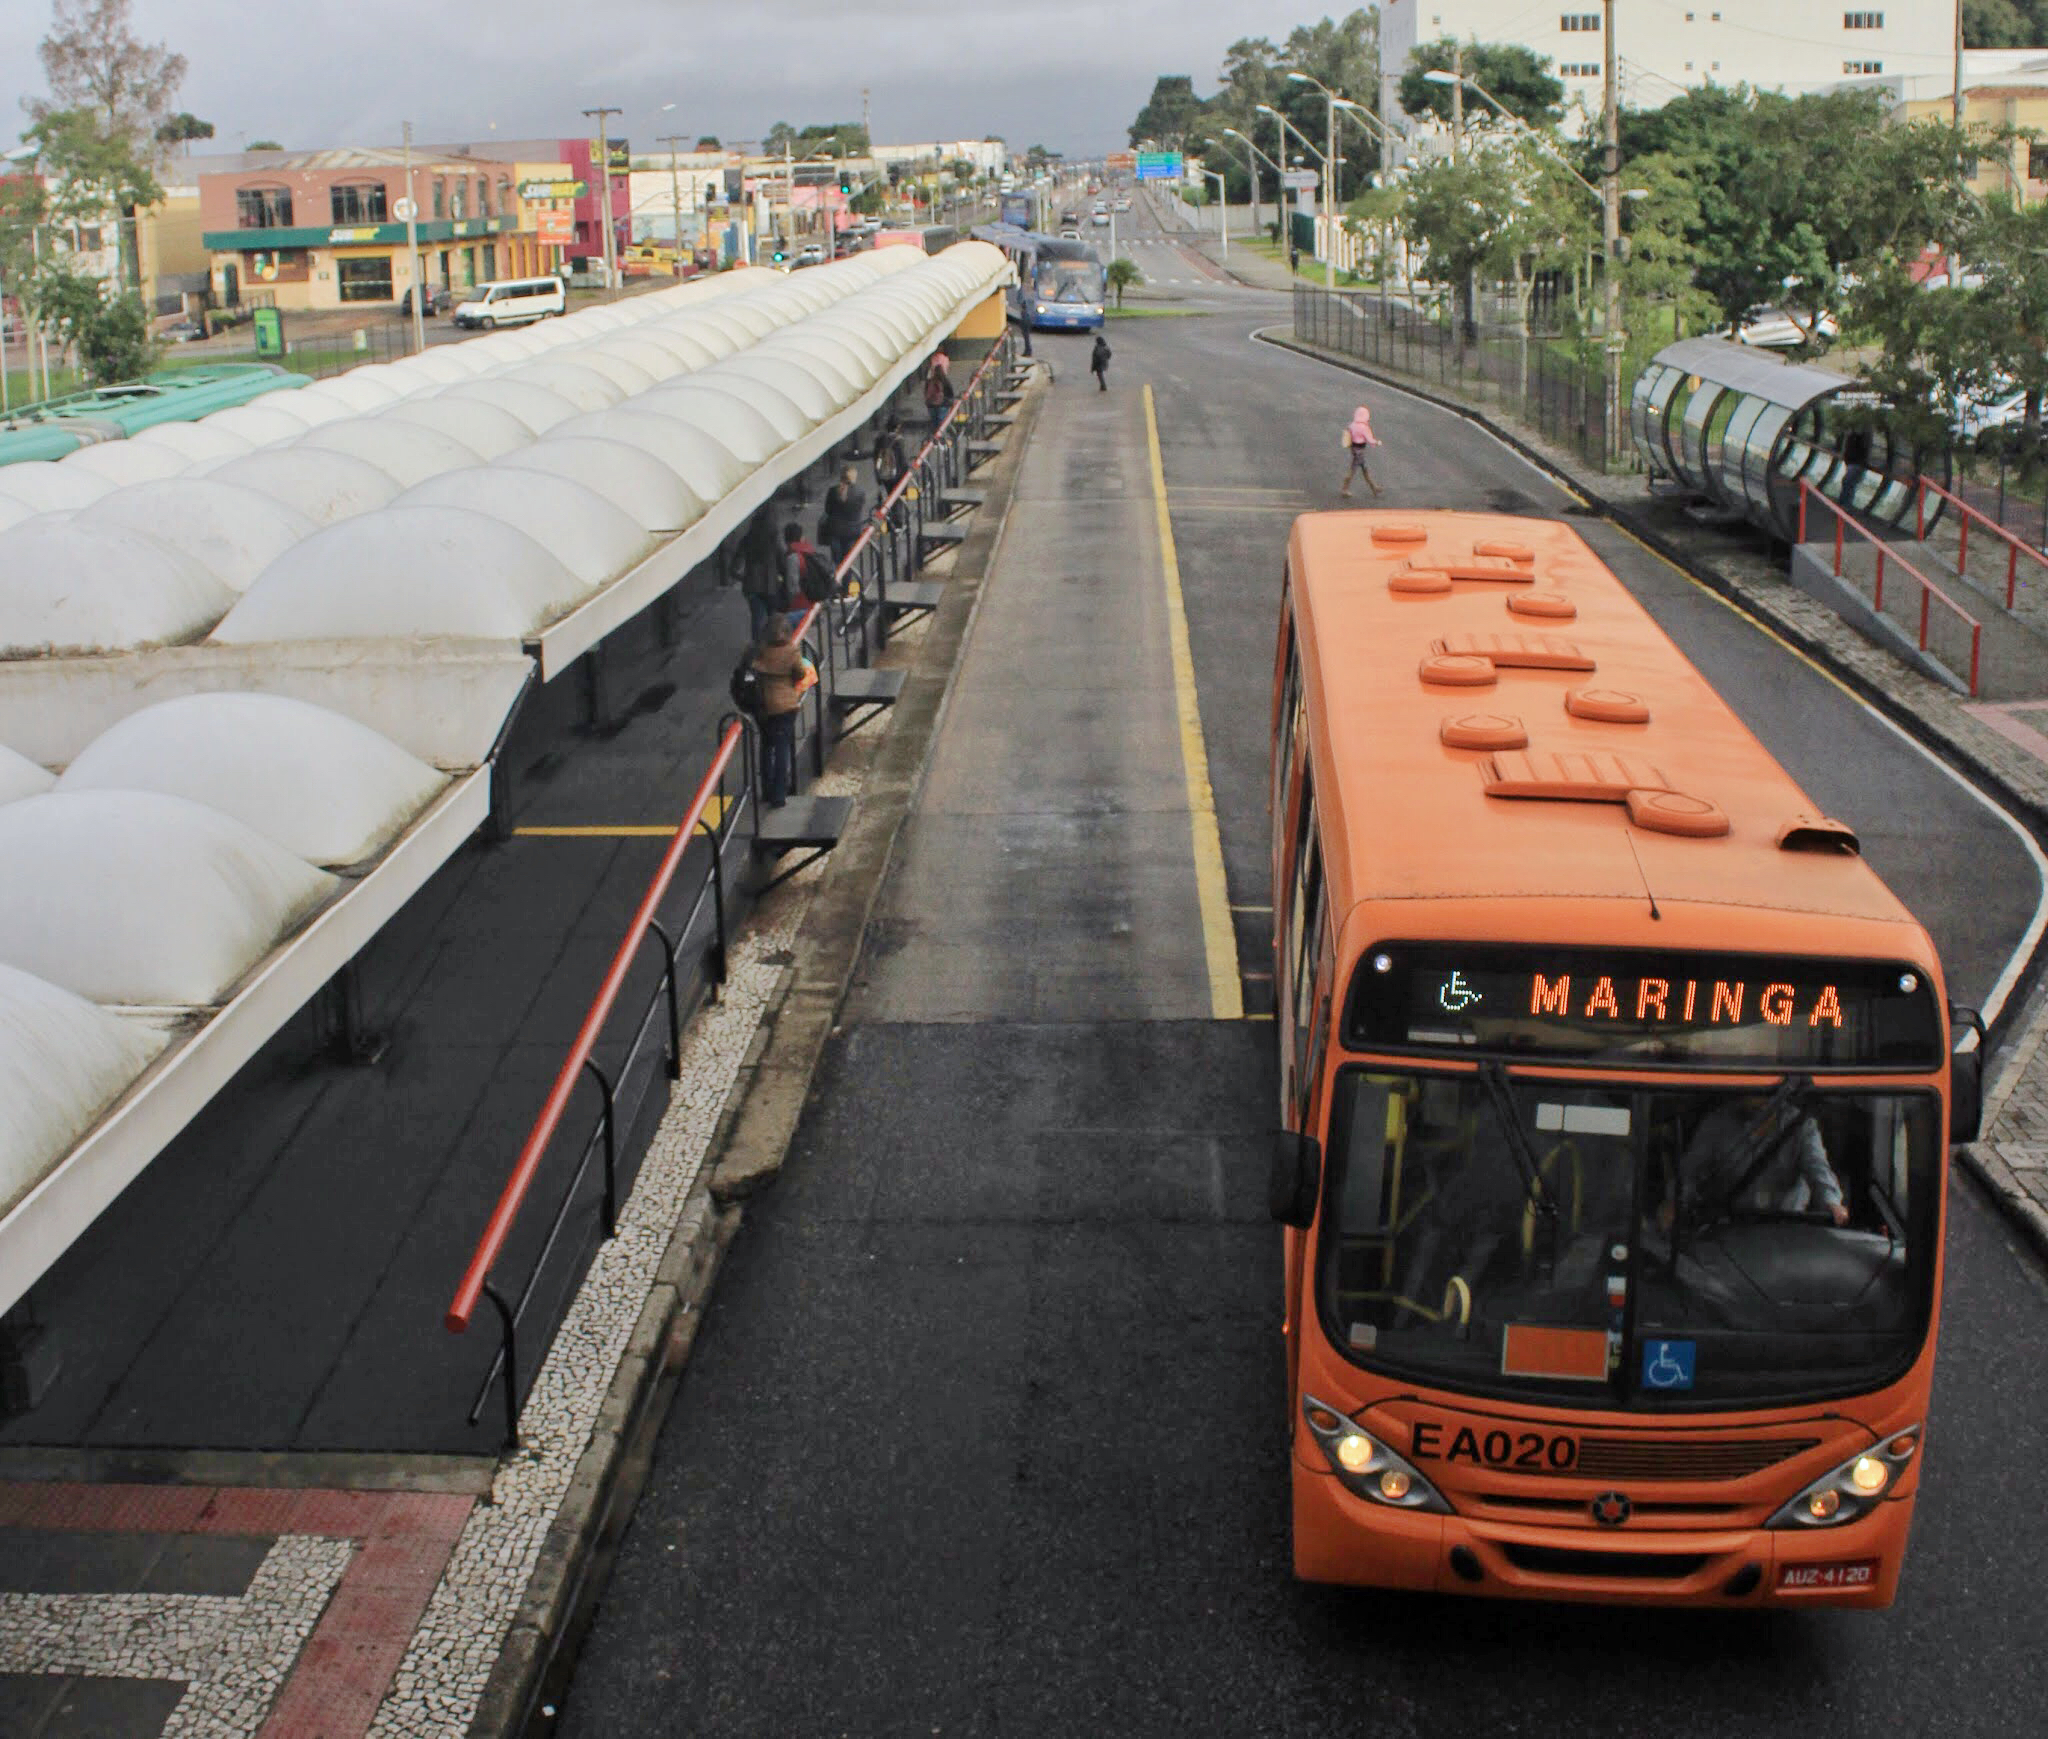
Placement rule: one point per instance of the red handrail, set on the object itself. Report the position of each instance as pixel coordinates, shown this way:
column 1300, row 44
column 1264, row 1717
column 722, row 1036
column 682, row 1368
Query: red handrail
column 1845, row 521
column 2014, row 546
column 463, row 1306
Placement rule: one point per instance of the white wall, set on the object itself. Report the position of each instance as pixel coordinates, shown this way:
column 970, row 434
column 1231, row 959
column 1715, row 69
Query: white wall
column 1665, row 46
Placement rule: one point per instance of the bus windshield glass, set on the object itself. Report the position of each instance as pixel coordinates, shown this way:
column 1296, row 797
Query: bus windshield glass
column 1616, row 1245
column 1075, row 277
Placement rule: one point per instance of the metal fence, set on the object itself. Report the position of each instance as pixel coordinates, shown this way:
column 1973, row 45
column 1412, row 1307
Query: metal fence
column 1552, row 384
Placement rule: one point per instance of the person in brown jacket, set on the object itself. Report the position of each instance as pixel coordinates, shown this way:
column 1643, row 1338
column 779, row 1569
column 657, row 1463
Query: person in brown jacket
column 785, row 673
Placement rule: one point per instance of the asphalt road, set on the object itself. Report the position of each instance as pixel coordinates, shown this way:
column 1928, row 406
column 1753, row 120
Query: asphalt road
column 983, row 1432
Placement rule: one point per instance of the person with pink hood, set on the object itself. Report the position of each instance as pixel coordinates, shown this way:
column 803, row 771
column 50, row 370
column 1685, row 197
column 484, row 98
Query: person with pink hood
column 1358, row 437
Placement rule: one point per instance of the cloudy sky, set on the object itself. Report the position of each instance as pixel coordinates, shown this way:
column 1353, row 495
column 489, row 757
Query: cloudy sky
column 1069, row 73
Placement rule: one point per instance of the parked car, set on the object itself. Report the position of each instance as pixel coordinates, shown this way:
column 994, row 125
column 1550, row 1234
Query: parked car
column 1774, row 329
column 182, row 332
column 434, row 300
column 1976, row 417
column 811, row 254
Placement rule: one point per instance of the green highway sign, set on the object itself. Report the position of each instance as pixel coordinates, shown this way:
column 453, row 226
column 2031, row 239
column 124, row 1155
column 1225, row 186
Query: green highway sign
column 1159, row 166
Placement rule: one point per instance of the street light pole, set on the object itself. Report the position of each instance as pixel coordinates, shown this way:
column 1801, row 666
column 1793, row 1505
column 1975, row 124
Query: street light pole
column 675, row 196
column 1610, row 231
column 1330, row 100
column 604, row 180
column 1222, row 209
column 412, row 250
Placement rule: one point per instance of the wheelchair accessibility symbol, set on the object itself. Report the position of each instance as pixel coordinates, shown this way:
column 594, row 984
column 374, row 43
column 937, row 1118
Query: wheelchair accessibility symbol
column 1668, row 1364
column 1456, row 995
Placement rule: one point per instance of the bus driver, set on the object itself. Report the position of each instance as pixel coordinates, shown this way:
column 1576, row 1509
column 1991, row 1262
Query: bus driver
column 1742, row 1160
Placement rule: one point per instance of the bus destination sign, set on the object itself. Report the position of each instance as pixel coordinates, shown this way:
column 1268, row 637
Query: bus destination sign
column 1624, row 1006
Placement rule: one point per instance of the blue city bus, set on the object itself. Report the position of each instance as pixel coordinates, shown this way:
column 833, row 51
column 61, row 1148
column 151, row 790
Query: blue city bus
column 1060, row 282
column 58, row 427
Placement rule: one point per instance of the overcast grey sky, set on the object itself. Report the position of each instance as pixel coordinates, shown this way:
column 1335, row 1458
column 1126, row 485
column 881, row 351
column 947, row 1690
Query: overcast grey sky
column 1069, row 73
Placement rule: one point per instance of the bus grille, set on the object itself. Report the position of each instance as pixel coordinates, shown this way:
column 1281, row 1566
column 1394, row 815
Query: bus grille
column 1612, row 1566
column 1698, row 1458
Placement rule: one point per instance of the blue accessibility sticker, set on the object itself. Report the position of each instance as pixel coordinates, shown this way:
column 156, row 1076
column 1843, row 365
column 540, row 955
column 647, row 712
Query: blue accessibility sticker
column 1668, row 1364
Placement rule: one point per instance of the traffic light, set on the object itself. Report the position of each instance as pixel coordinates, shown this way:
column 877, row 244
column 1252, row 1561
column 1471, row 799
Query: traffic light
column 780, row 254
column 845, row 182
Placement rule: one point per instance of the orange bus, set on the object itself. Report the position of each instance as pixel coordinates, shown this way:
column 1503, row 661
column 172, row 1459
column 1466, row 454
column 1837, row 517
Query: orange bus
column 1616, row 1095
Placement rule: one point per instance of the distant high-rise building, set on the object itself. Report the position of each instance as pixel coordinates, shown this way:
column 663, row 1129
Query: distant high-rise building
column 1664, row 47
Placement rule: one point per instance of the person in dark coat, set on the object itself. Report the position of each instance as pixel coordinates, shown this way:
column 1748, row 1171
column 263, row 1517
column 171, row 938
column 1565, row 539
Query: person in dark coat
column 1098, row 362
column 844, row 516
column 761, row 571
column 785, row 674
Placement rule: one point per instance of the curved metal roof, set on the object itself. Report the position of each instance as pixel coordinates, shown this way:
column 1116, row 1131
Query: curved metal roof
column 77, row 588
column 483, row 428
column 648, row 492
column 323, row 485
column 232, row 531
column 586, row 533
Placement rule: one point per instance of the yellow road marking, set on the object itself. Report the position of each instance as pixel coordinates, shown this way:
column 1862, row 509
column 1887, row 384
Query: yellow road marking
column 1219, row 941
column 714, row 812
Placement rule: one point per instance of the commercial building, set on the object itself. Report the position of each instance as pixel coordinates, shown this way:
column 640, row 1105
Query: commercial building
column 578, row 158
column 989, row 156
column 2003, row 89
column 1664, row 47
column 327, row 229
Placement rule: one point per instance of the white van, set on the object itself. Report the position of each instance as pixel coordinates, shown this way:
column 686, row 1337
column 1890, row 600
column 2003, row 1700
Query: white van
column 512, row 302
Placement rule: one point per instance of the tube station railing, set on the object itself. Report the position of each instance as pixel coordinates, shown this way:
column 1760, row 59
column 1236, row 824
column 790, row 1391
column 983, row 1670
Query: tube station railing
column 1934, row 603
column 839, row 633
column 1967, row 516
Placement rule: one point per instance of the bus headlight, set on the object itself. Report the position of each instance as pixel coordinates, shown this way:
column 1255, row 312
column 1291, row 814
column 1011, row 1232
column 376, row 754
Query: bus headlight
column 1851, row 1490
column 1366, row 1465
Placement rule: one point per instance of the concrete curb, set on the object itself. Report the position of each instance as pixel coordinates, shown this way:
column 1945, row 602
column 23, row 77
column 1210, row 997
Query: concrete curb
column 755, row 1128
column 2027, row 1010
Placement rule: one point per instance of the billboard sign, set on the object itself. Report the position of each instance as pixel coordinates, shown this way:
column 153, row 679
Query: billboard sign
column 555, row 227
column 1120, row 162
column 1159, row 166
column 1300, row 180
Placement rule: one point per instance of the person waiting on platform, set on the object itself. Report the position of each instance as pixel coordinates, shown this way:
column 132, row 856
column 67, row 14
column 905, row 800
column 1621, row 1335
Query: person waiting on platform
column 785, row 675
column 843, row 517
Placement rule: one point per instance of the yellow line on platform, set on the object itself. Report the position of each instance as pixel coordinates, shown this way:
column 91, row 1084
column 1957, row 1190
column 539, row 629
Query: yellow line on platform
column 1219, row 940
column 714, row 812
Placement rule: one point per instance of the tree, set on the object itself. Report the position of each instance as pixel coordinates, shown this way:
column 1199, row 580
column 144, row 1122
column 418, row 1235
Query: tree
column 1168, row 114
column 708, row 142
column 93, row 61
column 1456, row 214
column 92, row 173
column 183, row 126
column 2001, row 24
column 781, row 137
column 1121, row 276
column 265, row 145
column 1517, row 78
column 1658, row 274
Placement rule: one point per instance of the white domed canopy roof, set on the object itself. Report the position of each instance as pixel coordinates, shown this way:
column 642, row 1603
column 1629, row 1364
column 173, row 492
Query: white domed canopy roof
column 864, row 338
column 539, row 408
column 48, row 486
column 445, row 363
column 62, row 1062
column 20, row 777
column 748, row 315
column 231, row 531
column 324, row 486
column 324, row 787
column 789, row 378
column 707, row 463
column 260, row 424
column 485, row 429
column 124, row 462
column 656, row 361
column 13, row 512
column 408, row 452
column 755, row 420
column 588, row 389
column 580, row 528
column 196, row 441
column 74, row 587
column 426, row 573
column 647, row 491
column 131, row 897
column 361, row 389
column 629, row 377
column 676, row 340
column 843, row 368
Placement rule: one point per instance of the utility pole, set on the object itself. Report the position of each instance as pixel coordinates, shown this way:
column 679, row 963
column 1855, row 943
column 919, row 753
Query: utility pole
column 1330, row 192
column 412, row 251
column 1458, row 90
column 1955, row 259
column 1610, row 229
column 675, row 196
column 604, row 182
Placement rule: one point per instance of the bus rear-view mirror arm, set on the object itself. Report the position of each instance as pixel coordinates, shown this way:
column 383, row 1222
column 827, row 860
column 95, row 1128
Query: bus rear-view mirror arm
column 1296, row 1178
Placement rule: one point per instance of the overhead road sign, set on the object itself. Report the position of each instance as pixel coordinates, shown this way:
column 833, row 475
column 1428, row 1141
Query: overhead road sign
column 1122, row 162
column 1159, row 166
column 1300, row 180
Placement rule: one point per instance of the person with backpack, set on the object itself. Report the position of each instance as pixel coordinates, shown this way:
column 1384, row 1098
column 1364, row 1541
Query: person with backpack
column 1098, row 362
column 806, row 570
column 1358, row 441
column 844, row 516
column 783, row 674
column 938, row 387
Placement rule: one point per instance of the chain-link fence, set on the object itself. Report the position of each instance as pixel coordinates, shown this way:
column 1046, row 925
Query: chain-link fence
column 1551, row 384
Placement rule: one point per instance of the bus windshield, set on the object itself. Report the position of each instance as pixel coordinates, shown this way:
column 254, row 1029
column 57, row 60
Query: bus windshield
column 1068, row 280
column 1617, row 1245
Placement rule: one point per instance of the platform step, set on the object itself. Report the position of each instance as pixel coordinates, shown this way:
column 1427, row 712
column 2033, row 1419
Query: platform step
column 861, row 686
column 1009, row 396
column 977, row 451
column 955, row 499
column 946, row 533
column 917, row 595
column 814, row 823
column 997, row 420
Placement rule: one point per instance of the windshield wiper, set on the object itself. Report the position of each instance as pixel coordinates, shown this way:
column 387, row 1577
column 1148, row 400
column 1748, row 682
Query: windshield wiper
column 1494, row 1078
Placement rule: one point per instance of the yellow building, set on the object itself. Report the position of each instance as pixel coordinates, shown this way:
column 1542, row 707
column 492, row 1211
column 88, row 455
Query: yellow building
column 2019, row 171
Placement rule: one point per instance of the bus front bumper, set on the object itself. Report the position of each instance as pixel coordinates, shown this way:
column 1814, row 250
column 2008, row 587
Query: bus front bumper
column 1341, row 1538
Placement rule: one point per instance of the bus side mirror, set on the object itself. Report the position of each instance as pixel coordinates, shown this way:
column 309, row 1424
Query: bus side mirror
column 1966, row 1080
column 1965, row 1096
column 1295, row 1178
